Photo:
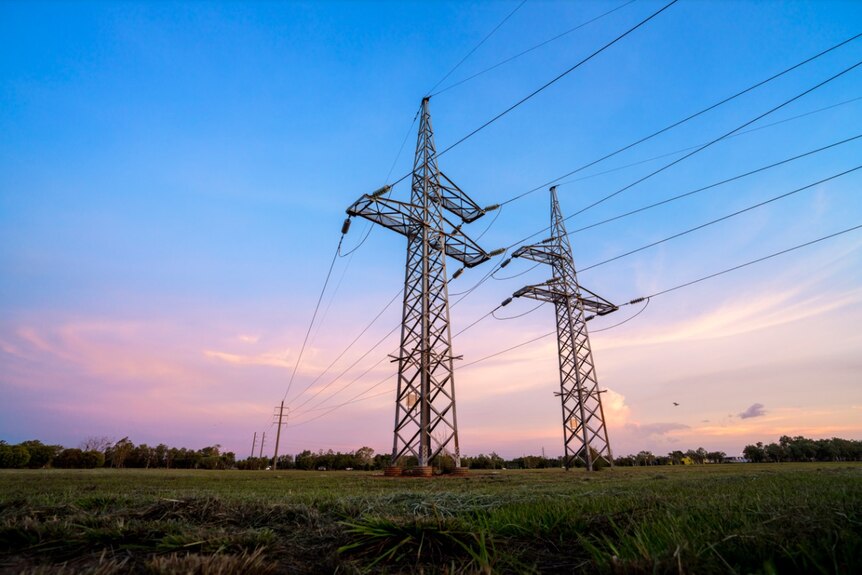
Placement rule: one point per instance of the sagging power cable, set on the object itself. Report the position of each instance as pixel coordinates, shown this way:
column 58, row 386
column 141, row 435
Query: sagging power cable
column 698, row 150
column 476, row 47
column 686, row 119
column 645, row 299
column 528, row 50
column 722, row 218
column 546, row 85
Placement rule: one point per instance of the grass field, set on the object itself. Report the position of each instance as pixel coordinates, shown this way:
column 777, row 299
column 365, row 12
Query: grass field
column 779, row 518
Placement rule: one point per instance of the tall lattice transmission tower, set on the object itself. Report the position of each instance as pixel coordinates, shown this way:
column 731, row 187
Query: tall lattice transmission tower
column 425, row 419
column 585, row 435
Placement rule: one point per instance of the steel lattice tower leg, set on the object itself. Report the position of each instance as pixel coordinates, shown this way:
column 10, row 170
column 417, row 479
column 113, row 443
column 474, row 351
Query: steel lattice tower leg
column 585, row 434
column 425, row 420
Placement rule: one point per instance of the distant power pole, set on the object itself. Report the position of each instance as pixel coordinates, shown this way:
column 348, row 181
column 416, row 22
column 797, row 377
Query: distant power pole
column 425, row 421
column 585, row 435
column 253, row 443
column 278, row 435
column 262, row 441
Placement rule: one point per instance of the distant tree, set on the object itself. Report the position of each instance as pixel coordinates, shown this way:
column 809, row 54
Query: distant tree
column 697, row 455
column 799, row 448
column 625, row 461
column 381, row 460
column 160, row 455
column 284, row 461
column 93, row 443
column 69, row 459
column 645, row 458
column 364, row 457
column 775, row 453
column 74, row 458
column 13, row 456
column 676, row 457
column 480, row 461
column 142, row 456
column 92, row 459
column 119, row 452
column 41, row 455
column 305, row 460
column 716, row 456
column 755, row 453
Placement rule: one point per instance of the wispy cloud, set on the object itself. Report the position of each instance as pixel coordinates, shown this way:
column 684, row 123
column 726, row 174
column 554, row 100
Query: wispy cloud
column 272, row 359
column 656, row 429
column 745, row 316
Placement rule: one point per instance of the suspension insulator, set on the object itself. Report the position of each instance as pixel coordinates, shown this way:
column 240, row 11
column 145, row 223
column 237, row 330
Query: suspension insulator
column 589, row 317
column 491, row 208
column 345, row 227
column 637, row 300
column 497, row 252
column 505, row 263
column 506, row 302
column 381, row 191
column 458, row 272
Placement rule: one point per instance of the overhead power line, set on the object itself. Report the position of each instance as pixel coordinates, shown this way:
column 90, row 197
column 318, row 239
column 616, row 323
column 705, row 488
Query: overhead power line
column 476, row 47
column 713, row 185
column 349, row 346
column 547, row 85
column 558, row 78
column 313, row 317
column 527, row 98
column 590, row 226
column 687, row 148
column 646, row 299
column 721, row 219
column 755, row 261
column 675, row 288
column 363, row 356
column 531, row 49
column 348, row 368
column 699, row 149
column 686, row 119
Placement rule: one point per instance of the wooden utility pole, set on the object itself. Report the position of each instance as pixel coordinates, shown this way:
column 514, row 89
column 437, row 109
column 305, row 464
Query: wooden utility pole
column 262, row 441
column 278, row 435
column 253, row 443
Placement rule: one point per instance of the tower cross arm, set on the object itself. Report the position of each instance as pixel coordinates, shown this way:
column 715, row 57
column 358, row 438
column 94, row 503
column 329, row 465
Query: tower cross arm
column 596, row 303
column 399, row 217
column 389, row 213
column 457, row 202
column 462, row 248
column 541, row 292
column 539, row 253
column 550, row 292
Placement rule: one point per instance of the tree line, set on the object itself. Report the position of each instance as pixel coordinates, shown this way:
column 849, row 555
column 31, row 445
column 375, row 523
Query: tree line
column 789, row 449
column 804, row 449
column 102, row 452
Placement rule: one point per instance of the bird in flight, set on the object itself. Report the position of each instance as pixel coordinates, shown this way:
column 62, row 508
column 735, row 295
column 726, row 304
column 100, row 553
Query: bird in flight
column 675, row 404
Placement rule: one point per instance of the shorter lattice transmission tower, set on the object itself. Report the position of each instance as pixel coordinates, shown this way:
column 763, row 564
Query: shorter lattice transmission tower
column 585, row 434
column 425, row 420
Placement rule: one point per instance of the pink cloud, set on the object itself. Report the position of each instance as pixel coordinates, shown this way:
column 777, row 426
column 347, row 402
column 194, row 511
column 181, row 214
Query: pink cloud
column 756, row 410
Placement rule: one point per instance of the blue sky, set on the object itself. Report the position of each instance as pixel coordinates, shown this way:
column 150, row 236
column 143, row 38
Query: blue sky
column 173, row 178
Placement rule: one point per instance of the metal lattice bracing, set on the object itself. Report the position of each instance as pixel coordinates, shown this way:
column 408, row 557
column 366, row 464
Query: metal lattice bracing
column 585, row 435
column 425, row 417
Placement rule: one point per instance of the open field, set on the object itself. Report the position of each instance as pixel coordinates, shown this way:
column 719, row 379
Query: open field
column 778, row 518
